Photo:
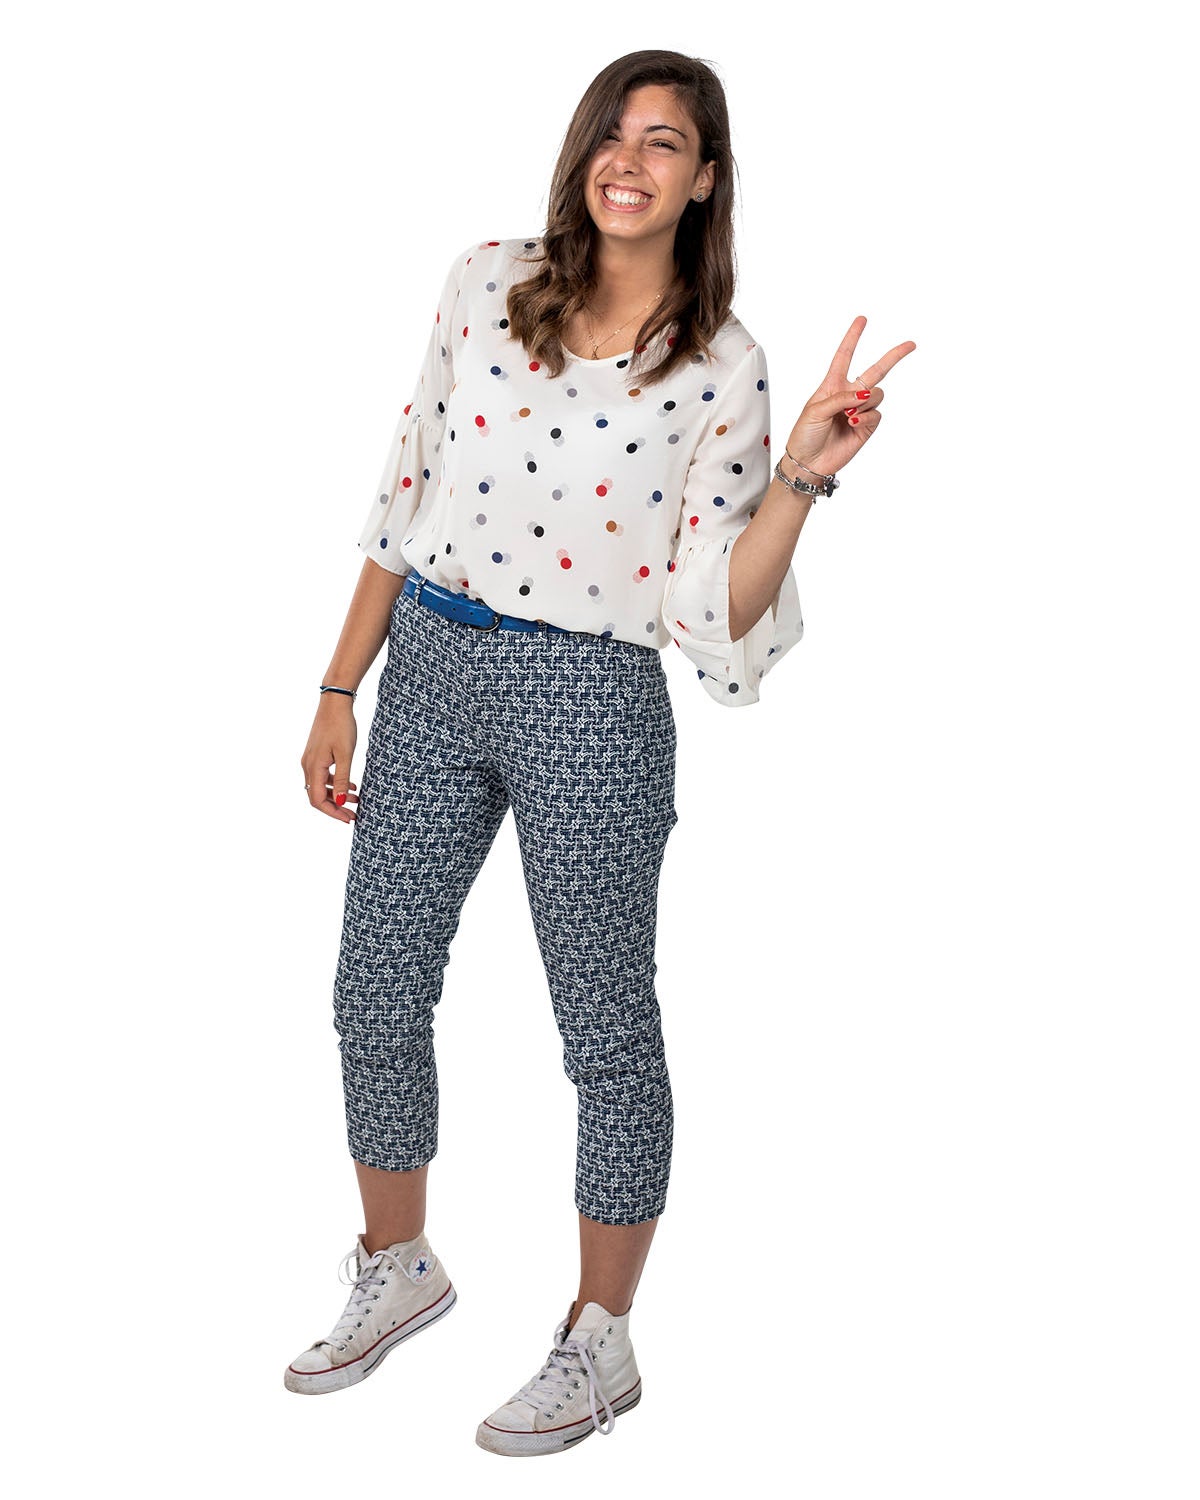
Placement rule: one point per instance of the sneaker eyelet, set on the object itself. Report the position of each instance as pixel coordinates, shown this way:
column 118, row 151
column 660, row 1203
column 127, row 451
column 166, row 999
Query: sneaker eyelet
column 608, row 1329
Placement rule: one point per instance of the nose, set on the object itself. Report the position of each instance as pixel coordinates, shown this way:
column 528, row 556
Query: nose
column 626, row 158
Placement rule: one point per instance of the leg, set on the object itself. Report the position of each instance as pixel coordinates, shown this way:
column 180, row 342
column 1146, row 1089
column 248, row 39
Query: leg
column 393, row 1205
column 428, row 814
column 611, row 1257
column 593, row 801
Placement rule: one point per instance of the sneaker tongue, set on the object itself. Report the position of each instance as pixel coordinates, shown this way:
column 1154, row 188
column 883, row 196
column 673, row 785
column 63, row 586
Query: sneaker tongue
column 588, row 1321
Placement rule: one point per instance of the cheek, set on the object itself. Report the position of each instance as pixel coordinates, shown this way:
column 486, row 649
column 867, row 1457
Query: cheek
column 596, row 165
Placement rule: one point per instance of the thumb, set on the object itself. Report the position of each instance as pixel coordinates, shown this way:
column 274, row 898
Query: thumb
column 341, row 782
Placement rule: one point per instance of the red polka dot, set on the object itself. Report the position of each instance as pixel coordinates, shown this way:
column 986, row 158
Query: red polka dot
column 406, row 483
column 465, row 333
column 643, row 571
column 565, row 563
column 408, row 408
column 671, row 341
column 693, row 520
column 479, row 422
column 767, row 441
column 602, row 489
column 493, row 242
column 641, row 348
column 438, row 317
column 535, row 364
column 670, row 565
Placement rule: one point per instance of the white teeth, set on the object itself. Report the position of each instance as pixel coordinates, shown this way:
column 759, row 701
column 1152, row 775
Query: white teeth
column 619, row 195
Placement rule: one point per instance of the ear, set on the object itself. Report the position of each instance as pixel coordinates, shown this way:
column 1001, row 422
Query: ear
column 705, row 179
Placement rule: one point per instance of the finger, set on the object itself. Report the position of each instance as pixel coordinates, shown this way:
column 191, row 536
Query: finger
column 839, row 366
column 316, row 778
column 351, row 795
column 340, row 785
column 842, row 402
column 880, row 368
column 857, row 406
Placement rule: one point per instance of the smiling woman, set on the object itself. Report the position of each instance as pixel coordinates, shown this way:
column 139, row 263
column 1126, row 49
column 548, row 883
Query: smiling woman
column 581, row 476
column 639, row 231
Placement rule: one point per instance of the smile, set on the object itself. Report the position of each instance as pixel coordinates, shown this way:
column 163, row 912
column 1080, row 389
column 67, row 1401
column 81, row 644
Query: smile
column 628, row 199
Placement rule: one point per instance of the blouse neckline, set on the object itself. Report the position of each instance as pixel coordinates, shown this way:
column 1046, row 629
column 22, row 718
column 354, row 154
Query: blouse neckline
column 611, row 359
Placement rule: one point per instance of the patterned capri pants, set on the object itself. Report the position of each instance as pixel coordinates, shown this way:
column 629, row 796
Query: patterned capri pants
column 577, row 734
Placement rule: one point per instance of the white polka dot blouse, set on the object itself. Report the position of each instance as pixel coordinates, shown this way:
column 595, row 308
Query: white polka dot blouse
column 583, row 500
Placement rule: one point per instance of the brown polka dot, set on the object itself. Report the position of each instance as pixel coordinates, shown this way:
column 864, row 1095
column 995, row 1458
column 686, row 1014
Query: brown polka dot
column 722, row 430
column 610, row 526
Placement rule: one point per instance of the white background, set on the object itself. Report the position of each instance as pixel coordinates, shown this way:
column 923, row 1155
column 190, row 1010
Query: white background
column 926, row 931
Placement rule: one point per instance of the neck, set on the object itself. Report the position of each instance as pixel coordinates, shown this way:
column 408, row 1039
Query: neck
column 629, row 274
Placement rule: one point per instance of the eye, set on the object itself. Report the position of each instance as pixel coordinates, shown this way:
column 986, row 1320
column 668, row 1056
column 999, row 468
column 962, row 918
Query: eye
column 670, row 145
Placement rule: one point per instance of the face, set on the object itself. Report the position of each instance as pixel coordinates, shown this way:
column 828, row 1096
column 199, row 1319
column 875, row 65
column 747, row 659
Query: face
column 639, row 182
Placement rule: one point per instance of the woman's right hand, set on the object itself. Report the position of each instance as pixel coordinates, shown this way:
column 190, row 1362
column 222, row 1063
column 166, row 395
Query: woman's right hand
column 331, row 743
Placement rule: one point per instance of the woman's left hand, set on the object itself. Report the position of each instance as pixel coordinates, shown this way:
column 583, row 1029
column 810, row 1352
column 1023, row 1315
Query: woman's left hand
column 837, row 420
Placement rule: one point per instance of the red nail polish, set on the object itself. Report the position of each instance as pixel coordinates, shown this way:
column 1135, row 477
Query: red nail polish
column 862, row 395
column 854, row 421
column 340, row 798
column 850, row 410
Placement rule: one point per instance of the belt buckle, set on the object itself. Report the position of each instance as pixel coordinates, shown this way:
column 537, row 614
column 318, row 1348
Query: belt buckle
column 493, row 626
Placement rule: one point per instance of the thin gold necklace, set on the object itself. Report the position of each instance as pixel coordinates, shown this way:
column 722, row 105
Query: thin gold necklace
column 591, row 335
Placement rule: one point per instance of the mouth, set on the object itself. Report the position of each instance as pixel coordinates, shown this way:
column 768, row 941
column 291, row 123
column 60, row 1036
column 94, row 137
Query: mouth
column 624, row 200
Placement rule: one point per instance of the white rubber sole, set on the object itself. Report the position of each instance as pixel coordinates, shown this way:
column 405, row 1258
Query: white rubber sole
column 532, row 1444
column 321, row 1382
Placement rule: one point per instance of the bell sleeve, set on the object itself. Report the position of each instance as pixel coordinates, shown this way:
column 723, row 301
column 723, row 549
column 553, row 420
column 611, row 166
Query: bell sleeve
column 728, row 477
column 413, row 460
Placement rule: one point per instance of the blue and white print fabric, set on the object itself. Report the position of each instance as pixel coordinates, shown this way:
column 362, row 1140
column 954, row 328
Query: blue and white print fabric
column 576, row 734
column 583, row 500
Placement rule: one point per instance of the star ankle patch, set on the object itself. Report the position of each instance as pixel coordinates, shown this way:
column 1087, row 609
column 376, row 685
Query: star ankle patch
column 420, row 1268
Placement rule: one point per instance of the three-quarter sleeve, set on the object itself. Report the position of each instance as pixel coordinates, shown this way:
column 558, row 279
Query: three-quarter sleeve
column 727, row 478
column 413, row 457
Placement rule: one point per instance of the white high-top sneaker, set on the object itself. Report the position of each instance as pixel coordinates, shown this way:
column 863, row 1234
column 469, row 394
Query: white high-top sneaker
column 590, row 1366
column 397, row 1292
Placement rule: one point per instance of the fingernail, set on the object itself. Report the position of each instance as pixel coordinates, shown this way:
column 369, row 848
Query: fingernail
column 340, row 798
column 854, row 421
column 862, row 395
column 850, row 410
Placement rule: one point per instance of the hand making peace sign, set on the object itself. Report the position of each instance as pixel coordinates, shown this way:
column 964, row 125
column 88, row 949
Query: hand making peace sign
column 842, row 414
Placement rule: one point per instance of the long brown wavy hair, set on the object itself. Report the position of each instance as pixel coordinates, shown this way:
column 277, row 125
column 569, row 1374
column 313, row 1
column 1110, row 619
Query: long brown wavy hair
column 699, row 302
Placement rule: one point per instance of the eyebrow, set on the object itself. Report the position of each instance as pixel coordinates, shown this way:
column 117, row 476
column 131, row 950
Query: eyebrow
column 650, row 128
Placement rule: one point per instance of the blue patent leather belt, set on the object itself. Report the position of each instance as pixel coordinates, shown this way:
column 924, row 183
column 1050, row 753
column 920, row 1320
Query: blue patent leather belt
column 470, row 611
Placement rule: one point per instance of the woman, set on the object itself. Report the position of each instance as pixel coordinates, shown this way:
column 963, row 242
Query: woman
column 587, row 439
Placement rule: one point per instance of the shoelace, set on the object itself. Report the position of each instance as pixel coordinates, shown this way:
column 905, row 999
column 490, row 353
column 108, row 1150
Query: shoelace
column 561, row 1369
column 347, row 1325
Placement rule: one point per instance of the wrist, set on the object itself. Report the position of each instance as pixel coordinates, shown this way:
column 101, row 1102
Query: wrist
column 345, row 697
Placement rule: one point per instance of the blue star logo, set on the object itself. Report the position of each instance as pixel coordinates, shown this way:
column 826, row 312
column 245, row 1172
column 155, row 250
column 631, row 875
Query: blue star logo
column 421, row 1268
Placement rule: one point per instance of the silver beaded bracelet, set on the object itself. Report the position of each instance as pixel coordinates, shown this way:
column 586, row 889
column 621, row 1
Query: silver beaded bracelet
column 803, row 486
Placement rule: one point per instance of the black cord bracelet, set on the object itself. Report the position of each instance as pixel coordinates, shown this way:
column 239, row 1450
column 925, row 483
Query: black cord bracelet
column 347, row 691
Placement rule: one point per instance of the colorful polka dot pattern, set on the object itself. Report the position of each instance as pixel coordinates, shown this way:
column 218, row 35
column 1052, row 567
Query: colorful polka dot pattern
column 575, row 733
column 583, row 500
